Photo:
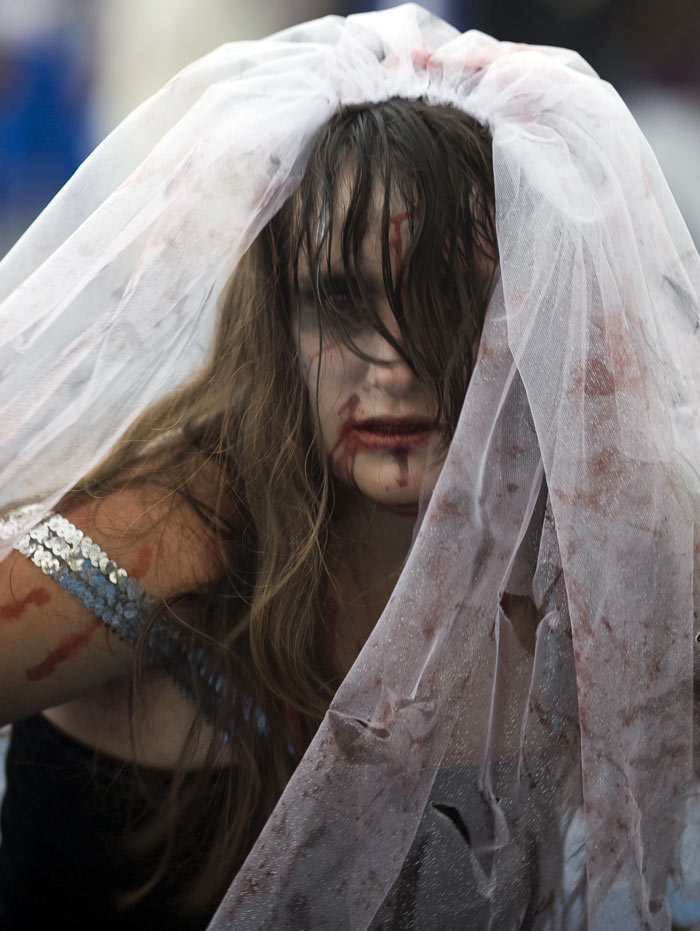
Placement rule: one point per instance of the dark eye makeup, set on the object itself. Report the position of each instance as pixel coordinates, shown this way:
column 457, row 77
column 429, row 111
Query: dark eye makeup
column 337, row 309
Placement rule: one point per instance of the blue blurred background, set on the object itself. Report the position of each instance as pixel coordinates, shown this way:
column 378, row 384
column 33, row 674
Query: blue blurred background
column 71, row 69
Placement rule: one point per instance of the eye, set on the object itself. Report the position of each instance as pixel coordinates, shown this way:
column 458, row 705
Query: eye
column 331, row 303
column 336, row 292
column 340, row 308
column 334, row 307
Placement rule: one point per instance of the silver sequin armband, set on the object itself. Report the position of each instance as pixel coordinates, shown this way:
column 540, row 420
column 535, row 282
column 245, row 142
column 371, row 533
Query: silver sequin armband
column 83, row 569
column 66, row 555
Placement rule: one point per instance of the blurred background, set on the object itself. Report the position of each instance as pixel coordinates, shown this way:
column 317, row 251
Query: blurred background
column 70, row 70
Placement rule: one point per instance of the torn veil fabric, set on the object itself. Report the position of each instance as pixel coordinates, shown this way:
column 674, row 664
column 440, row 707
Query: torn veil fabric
column 457, row 781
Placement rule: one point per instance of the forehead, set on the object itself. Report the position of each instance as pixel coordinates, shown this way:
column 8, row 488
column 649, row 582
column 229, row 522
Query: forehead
column 361, row 190
column 353, row 213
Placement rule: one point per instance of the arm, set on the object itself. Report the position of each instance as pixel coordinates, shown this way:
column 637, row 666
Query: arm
column 52, row 648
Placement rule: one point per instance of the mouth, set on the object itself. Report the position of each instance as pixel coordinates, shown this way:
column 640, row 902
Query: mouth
column 392, row 432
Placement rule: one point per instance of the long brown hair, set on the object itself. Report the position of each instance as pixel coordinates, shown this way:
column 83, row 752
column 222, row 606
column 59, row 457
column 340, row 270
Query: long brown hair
column 262, row 622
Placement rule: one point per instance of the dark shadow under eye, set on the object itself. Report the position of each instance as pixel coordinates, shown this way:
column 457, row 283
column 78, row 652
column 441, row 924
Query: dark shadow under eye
column 333, row 307
column 335, row 292
column 307, row 314
column 339, row 309
column 330, row 304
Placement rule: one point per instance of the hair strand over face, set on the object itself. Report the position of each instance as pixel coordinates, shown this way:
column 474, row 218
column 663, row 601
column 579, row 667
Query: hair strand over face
column 433, row 165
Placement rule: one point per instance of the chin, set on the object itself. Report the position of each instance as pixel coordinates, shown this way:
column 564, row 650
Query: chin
column 397, row 498
column 390, row 482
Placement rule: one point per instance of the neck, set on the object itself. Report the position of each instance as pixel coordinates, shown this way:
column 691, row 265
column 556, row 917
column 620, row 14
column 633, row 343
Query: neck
column 374, row 537
column 368, row 551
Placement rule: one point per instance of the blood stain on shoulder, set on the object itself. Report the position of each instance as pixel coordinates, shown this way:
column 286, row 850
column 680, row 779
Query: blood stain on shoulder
column 142, row 564
column 70, row 647
column 14, row 609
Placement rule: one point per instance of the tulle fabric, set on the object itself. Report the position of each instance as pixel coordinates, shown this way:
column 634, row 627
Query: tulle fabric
column 457, row 780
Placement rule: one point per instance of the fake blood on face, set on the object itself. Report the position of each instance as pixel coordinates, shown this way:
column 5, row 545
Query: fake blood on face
column 350, row 408
column 395, row 436
column 342, row 456
column 396, row 238
column 401, row 459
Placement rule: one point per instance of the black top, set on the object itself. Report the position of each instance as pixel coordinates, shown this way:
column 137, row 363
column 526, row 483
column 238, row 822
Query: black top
column 63, row 819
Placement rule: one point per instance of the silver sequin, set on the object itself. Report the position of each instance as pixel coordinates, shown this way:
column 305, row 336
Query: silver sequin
column 80, row 566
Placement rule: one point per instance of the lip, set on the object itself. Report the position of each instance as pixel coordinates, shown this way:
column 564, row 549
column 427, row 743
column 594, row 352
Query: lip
column 392, row 432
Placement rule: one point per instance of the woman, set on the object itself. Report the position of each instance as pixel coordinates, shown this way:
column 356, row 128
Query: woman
column 438, row 470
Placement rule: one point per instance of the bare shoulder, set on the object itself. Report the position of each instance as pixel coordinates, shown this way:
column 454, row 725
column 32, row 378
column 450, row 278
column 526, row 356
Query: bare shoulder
column 52, row 649
column 162, row 537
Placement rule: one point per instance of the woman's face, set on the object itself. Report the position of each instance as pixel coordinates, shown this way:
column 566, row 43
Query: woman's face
column 375, row 416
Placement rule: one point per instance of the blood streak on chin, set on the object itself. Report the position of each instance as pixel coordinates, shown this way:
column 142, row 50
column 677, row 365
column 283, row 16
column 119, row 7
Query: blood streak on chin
column 14, row 609
column 342, row 456
column 70, row 647
column 401, row 459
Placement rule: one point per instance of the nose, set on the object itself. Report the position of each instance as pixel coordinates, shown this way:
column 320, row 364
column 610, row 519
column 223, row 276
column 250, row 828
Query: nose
column 388, row 370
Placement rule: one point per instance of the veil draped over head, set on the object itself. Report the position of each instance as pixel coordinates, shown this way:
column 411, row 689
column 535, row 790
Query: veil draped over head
column 458, row 780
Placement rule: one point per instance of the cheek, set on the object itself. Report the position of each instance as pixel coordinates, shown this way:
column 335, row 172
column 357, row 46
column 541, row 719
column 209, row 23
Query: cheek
column 308, row 349
column 331, row 375
column 334, row 394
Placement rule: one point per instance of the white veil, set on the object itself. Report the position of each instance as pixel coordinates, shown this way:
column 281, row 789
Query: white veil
column 456, row 781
